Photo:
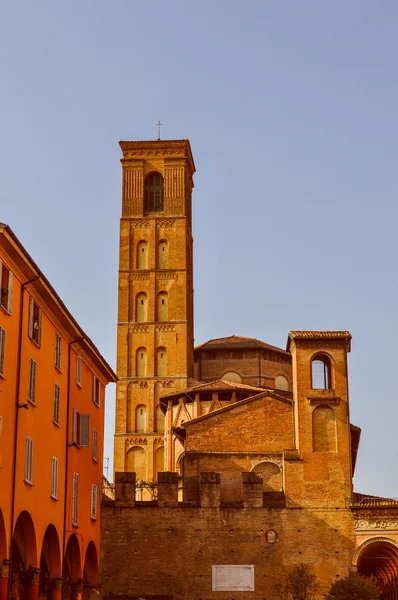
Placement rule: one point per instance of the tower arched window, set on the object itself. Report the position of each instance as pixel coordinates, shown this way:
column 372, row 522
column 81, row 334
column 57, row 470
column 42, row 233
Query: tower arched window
column 141, row 360
column 140, row 418
column 163, row 255
column 163, row 306
column 142, row 255
column 141, row 304
column 161, row 362
column 153, row 193
column 321, row 372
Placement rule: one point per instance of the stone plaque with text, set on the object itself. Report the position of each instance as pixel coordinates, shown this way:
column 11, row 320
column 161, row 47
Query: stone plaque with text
column 233, row 578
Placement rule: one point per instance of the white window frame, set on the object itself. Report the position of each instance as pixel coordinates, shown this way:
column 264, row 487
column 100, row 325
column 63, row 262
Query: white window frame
column 28, row 460
column 95, row 445
column 2, row 349
column 7, row 308
column 56, row 404
column 54, row 478
column 79, row 369
column 75, row 499
column 57, row 359
column 96, row 391
column 32, row 381
column 94, row 501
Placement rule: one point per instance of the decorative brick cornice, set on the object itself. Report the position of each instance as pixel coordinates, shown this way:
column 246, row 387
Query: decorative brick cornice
column 166, row 149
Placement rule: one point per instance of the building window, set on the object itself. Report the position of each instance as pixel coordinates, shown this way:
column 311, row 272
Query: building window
column 6, row 287
column 94, row 501
column 163, row 306
column 79, row 370
column 141, row 362
column 161, row 362
column 75, row 499
column 95, row 444
column 28, row 460
column 56, row 404
column 140, row 418
column 321, row 372
column 34, row 321
column 80, row 429
column 32, row 381
column 54, row 477
column 96, row 391
column 57, row 351
column 142, row 255
column 153, row 193
column 141, row 308
column 163, row 255
column 2, row 349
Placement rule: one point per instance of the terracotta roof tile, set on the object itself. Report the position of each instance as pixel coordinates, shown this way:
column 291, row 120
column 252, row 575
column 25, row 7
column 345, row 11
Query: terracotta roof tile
column 237, row 342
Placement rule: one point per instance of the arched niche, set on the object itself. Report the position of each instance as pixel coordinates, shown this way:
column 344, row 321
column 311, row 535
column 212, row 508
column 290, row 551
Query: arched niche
column 163, row 255
column 281, row 383
column 159, row 460
column 72, row 570
column 161, row 362
column 321, row 372
column 272, row 475
column 324, row 429
column 141, row 307
column 136, row 462
column 163, row 306
column 159, row 419
column 142, row 255
column 140, row 418
column 232, row 376
column 141, row 362
column 153, row 193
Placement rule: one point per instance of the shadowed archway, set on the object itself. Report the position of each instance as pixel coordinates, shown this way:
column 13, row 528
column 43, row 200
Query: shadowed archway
column 3, row 538
column 379, row 557
column 91, row 565
column 72, row 567
column 50, row 560
column 24, row 554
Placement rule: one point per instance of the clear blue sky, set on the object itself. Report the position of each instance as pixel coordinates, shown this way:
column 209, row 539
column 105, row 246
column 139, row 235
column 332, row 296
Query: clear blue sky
column 291, row 110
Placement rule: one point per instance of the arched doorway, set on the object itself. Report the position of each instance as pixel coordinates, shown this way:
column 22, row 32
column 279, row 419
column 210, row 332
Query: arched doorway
column 90, row 574
column 379, row 557
column 50, row 560
column 24, row 569
column 72, row 568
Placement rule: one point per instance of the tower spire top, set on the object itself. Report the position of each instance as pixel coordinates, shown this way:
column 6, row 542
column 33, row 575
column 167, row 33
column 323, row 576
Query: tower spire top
column 159, row 124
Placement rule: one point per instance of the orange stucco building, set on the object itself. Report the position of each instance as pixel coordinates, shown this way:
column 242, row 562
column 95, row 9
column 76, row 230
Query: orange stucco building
column 52, row 392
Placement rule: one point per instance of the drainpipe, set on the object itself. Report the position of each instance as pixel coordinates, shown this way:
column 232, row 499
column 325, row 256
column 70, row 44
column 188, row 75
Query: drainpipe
column 14, row 460
column 67, row 448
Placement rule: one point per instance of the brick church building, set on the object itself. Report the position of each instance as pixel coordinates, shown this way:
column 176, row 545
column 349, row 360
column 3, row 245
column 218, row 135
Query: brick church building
column 234, row 460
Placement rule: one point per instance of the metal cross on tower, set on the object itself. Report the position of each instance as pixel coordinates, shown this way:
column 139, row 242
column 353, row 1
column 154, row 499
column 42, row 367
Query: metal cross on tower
column 159, row 124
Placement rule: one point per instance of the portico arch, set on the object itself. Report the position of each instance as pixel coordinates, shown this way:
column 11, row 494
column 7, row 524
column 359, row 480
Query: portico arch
column 90, row 574
column 24, row 541
column 50, row 559
column 3, row 538
column 378, row 556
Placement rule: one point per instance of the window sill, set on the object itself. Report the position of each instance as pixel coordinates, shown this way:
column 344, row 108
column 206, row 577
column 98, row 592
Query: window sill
column 28, row 482
column 75, row 525
column 97, row 404
column 93, row 518
column 95, row 460
column 79, row 385
column 56, row 424
column 58, row 369
column 2, row 377
column 55, row 498
column 5, row 310
column 32, row 403
column 34, row 342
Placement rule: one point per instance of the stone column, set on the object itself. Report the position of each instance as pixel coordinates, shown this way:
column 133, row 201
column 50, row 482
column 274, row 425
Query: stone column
column 77, row 590
column 55, row 588
column 4, row 575
column 32, row 584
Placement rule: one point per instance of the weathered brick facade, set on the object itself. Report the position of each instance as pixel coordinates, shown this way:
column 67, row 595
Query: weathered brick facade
column 252, row 445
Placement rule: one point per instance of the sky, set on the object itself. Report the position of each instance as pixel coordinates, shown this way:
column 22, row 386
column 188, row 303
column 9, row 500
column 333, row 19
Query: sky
column 291, row 111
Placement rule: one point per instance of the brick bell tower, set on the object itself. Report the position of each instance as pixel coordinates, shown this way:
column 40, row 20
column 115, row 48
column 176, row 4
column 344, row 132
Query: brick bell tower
column 155, row 306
